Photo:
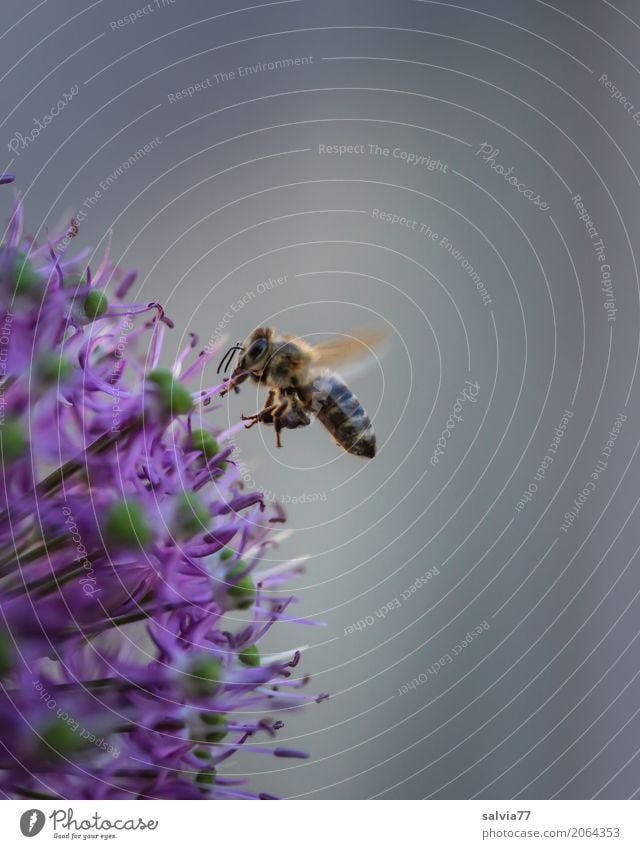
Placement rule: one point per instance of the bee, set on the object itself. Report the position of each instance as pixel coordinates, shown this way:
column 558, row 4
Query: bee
column 302, row 384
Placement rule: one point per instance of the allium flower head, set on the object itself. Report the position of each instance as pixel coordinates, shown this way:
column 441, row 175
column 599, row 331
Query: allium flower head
column 132, row 600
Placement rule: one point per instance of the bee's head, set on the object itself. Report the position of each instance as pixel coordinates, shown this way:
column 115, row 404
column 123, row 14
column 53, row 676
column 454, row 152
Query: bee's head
column 255, row 352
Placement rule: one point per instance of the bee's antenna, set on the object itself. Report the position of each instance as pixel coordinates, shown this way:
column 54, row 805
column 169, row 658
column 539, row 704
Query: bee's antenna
column 228, row 357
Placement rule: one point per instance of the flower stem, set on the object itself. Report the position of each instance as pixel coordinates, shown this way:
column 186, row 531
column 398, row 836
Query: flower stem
column 48, row 583
column 33, row 794
column 51, row 483
column 125, row 619
column 102, row 443
column 27, row 556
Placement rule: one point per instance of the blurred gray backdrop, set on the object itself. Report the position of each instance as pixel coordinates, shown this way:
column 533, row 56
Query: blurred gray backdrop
column 465, row 175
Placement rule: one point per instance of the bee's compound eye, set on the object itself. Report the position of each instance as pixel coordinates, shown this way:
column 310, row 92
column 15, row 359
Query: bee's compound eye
column 257, row 349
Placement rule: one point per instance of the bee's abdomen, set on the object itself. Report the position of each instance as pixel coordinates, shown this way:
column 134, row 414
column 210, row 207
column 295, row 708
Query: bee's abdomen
column 343, row 415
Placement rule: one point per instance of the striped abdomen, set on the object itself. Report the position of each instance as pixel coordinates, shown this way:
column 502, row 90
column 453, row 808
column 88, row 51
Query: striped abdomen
column 343, row 415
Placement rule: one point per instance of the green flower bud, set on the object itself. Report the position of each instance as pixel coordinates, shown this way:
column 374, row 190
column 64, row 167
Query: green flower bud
column 204, row 676
column 95, row 304
column 174, row 397
column 207, row 777
column 53, row 369
column 226, row 554
column 215, row 736
column 243, row 591
column 217, row 723
column 12, row 439
column 62, row 739
column 202, row 440
column 7, row 652
column 250, row 656
column 27, row 280
column 191, row 515
column 162, row 377
column 126, row 525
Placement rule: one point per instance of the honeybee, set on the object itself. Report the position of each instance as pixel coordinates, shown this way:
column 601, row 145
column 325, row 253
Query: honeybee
column 302, row 384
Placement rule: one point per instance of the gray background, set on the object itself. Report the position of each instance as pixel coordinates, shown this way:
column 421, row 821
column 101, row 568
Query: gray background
column 544, row 702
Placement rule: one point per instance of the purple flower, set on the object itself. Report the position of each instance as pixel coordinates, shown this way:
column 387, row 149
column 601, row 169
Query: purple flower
column 132, row 601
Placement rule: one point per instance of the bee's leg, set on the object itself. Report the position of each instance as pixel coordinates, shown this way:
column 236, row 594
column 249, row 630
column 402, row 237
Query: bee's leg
column 278, row 414
column 277, row 421
column 297, row 415
column 230, row 385
column 237, row 377
column 265, row 414
column 289, row 414
column 278, row 427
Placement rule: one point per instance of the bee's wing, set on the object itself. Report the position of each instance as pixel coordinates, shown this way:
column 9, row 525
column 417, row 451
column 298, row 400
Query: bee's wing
column 349, row 348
